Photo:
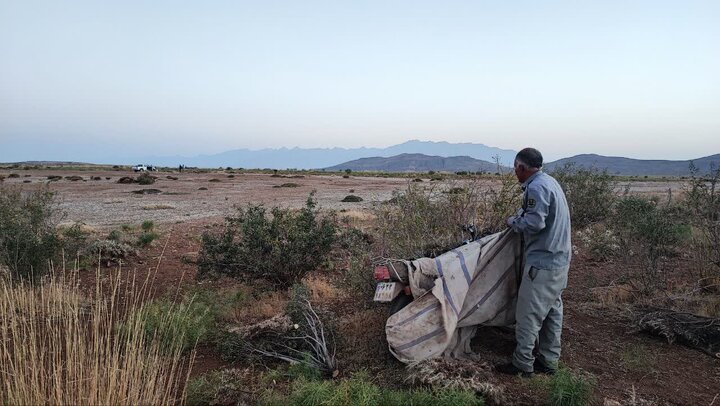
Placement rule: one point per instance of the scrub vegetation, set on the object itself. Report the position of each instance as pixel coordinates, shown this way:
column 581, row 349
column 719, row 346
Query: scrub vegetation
column 278, row 300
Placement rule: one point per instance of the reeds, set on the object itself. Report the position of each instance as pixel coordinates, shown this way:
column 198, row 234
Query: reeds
column 61, row 346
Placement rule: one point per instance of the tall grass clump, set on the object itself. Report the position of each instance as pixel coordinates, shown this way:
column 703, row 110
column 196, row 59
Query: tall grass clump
column 280, row 247
column 59, row 346
column 29, row 241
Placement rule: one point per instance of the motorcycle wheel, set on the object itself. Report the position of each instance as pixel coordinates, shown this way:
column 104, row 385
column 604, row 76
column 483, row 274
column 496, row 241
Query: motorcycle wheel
column 399, row 303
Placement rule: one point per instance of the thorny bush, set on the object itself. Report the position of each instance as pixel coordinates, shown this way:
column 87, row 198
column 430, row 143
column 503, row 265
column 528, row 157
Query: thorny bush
column 651, row 231
column 280, row 247
column 590, row 193
column 702, row 199
column 427, row 221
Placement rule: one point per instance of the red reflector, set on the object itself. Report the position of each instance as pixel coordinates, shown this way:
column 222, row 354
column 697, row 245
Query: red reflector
column 381, row 273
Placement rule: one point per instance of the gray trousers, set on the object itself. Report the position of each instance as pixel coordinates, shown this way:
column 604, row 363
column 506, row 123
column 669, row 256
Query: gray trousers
column 538, row 316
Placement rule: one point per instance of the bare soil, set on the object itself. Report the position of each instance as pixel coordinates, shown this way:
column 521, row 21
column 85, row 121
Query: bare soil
column 597, row 339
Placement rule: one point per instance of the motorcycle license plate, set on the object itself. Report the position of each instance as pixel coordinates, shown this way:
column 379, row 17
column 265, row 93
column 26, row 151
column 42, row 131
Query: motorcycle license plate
column 386, row 291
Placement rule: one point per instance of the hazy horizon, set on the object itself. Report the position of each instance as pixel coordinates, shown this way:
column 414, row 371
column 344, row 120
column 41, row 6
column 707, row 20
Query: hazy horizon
column 84, row 79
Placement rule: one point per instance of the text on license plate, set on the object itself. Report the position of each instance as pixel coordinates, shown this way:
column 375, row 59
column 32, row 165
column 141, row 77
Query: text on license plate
column 386, row 291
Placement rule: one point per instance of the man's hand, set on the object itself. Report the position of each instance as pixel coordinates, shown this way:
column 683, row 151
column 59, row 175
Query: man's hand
column 511, row 220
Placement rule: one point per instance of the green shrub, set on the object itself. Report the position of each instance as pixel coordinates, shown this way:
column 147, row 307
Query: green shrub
column 601, row 243
column 351, row 199
column 652, row 232
column 145, row 179
column 74, row 241
column 146, row 238
column 280, row 248
column 590, row 193
column 167, row 321
column 28, row 237
column 108, row 251
column 567, row 389
column 147, row 225
column 114, row 235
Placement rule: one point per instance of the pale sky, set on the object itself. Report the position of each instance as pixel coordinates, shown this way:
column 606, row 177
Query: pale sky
column 628, row 78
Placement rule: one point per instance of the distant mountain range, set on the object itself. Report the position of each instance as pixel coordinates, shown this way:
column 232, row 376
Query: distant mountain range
column 635, row 167
column 410, row 156
column 315, row 158
column 614, row 165
column 418, row 163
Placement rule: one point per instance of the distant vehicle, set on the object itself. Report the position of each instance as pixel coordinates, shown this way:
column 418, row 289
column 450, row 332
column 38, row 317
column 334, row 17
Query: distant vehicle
column 144, row 168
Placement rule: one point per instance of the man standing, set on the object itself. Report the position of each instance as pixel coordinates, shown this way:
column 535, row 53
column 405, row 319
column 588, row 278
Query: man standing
column 544, row 222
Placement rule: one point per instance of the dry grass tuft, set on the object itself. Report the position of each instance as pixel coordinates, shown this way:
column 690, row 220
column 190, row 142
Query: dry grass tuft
column 612, row 295
column 267, row 305
column 463, row 375
column 59, row 347
column 320, row 289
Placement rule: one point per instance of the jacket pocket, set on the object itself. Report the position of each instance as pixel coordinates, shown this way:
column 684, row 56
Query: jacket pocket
column 532, row 273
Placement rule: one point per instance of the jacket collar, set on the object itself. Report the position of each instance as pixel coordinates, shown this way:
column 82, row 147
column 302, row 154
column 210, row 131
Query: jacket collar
column 530, row 179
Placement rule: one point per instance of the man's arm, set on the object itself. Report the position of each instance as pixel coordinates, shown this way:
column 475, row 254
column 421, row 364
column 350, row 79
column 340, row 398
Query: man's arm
column 537, row 211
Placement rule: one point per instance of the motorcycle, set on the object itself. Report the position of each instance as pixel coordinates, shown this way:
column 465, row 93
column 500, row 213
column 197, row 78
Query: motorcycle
column 392, row 276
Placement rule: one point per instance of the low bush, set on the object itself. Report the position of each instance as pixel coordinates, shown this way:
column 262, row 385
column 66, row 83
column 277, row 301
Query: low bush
column 146, row 238
column 108, row 251
column 352, row 199
column 280, row 247
column 601, row 243
column 145, row 179
column 29, row 242
column 147, row 225
column 114, row 235
column 126, row 180
column 590, row 193
column 651, row 232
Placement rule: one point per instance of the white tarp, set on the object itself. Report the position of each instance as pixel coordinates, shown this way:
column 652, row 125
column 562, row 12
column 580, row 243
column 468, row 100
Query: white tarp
column 474, row 284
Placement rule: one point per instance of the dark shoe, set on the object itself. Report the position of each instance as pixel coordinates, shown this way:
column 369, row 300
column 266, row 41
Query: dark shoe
column 540, row 368
column 511, row 369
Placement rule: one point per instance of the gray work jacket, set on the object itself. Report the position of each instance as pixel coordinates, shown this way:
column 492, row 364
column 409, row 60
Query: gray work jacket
column 545, row 223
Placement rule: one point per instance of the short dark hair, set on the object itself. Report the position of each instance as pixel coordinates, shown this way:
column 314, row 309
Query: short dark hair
column 530, row 157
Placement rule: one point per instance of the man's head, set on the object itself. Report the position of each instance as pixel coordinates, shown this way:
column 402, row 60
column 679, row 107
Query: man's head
column 527, row 162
